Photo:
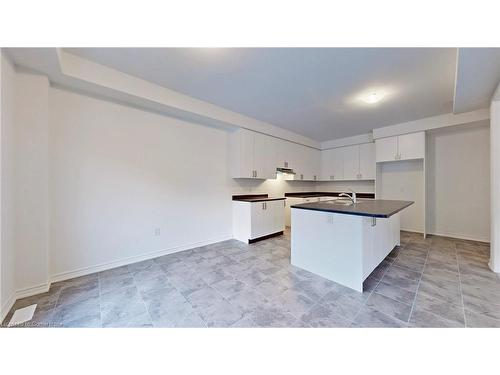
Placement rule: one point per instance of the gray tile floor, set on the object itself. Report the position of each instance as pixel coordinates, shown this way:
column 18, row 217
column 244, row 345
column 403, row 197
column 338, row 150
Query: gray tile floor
column 434, row 282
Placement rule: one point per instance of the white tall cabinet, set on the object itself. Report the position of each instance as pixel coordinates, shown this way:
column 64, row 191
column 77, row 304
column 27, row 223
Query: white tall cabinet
column 397, row 149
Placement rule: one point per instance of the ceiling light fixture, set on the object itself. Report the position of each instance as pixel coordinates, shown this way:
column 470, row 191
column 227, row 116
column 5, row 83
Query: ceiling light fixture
column 374, row 97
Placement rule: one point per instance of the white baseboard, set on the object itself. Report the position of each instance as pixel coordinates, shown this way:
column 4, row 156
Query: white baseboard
column 137, row 258
column 22, row 293
column 449, row 235
column 43, row 288
column 6, row 307
column 28, row 292
column 461, row 237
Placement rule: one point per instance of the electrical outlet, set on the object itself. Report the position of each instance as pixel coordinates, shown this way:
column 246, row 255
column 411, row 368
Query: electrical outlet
column 157, row 231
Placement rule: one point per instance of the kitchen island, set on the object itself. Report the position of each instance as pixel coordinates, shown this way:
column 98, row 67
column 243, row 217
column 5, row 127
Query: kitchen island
column 344, row 241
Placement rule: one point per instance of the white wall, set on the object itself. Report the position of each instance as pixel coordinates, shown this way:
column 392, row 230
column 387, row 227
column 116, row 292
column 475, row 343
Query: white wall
column 25, row 252
column 117, row 173
column 7, row 260
column 495, row 182
column 357, row 186
column 404, row 180
column 458, row 181
column 31, row 192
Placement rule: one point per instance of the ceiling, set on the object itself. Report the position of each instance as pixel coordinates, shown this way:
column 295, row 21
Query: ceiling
column 478, row 74
column 311, row 91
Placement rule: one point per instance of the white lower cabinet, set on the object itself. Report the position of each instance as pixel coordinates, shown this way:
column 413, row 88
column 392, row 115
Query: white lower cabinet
column 252, row 220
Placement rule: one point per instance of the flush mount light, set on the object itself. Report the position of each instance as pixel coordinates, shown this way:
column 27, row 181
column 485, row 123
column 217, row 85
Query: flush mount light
column 374, row 97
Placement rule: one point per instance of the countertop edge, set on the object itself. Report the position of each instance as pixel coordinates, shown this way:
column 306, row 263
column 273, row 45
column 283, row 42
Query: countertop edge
column 258, row 200
column 304, row 206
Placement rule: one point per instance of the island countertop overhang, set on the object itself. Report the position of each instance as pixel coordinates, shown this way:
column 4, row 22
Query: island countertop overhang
column 378, row 208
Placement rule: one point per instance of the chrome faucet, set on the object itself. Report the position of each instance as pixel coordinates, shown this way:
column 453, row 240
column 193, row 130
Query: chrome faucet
column 352, row 198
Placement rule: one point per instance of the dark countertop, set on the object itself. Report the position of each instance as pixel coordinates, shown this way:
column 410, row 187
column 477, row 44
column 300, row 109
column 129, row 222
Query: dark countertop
column 369, row 207
column 312, row 194
column 255, row 198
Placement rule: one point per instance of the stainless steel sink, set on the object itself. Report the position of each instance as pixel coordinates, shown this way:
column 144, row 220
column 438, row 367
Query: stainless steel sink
column 339, row 202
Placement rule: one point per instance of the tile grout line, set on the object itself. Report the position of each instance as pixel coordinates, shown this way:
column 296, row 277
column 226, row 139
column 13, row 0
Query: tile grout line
column 142, row 299
column 178, row 291
column 418, row 285
column 373, row 290
column 100, row 293
column 460, row 283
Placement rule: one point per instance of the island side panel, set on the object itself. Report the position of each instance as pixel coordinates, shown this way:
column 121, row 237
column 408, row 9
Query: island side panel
column 380, row 236
column 329, row 245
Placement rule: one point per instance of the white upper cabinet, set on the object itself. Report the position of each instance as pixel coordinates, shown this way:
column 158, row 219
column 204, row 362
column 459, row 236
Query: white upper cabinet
column 306, row 163
column 253, row 155
column 401, row 147
column 315, row 164
column 264, row 156
column 332, row 164
column 348, row 163
column 299, row 162
column 284, row 153
column 367, row 161
column 386, row 149
column 326, row 164
column 411, row 146
column 351, row 162
column 243, row 140
column 256, row 155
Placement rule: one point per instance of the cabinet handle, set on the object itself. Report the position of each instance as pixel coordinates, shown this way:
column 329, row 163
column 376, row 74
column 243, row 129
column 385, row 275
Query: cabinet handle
column 256, row 174
column 286, row 164
column 265, row 205
column 314, row 177
column 301, row 176
column 284, row 203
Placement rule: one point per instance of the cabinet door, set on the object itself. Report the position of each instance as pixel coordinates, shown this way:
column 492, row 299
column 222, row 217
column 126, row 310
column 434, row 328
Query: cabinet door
column 310, row 164
column 338, row 164
column 264, row 156
column 258, row 220
column 411, row 146
column 315, row 164
column 299, row 161
column 283, row 151
column 246, row 146
column 307, row 163
column 351, row 162
column 386, row 149
column 289, row 203
column 327, row 165
column 367, row 161
column 276, row 212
